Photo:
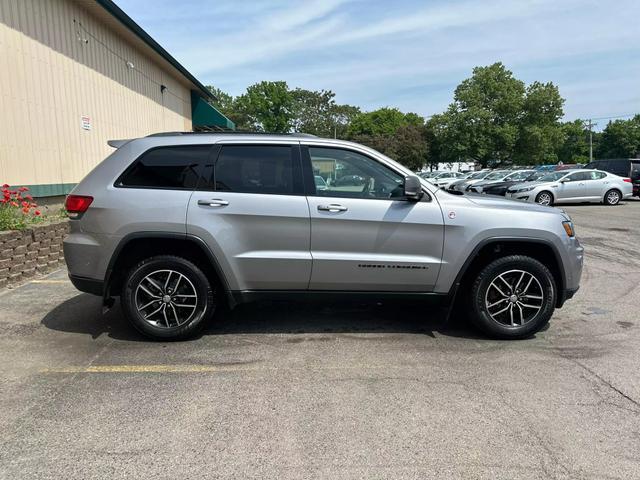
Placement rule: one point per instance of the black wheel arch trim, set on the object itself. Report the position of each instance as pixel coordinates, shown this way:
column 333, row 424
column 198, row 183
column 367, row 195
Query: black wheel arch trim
column 108, row 301
column 488, row 241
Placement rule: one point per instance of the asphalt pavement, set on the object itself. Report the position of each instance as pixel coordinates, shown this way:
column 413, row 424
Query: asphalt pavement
column 368, row 391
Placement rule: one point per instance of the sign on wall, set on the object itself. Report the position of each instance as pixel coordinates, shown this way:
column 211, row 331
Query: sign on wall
column 85, row 122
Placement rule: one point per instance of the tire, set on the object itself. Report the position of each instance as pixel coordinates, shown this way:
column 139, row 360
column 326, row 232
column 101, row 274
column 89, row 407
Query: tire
column 545, row 198
column 178, row 288
column 612, row 197
column 490, row 294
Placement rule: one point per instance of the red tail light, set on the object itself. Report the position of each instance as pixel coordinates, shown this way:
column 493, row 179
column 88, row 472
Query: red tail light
column 628, row 180
column 77, row 204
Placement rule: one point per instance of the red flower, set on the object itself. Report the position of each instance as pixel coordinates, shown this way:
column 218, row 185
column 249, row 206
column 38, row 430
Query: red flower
column 25, row 210
column 37, row 213
column 28, row 197
column 14, row 204
column 25, row 204
column 23, row 189
column 6, row 185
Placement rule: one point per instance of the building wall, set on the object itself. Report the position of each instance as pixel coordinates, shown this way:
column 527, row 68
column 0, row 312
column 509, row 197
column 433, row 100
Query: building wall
column 60, row 62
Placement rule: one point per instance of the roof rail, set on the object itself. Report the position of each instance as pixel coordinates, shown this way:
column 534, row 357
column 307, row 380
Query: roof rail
column 233, row 132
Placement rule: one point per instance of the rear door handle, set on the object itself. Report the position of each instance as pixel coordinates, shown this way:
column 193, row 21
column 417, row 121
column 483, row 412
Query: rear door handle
column 214, row 202
column 334, row 207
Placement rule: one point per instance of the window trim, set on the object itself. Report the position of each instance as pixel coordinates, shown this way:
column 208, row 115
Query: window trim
column 298, row 186
column 118, row 180
column 309, row 183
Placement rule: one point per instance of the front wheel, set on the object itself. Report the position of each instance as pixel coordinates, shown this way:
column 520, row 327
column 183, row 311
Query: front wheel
column 513, row 297
column 167, row 298
column 612, row 197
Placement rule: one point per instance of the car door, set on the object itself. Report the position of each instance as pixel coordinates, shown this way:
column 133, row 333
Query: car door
column 595, row 185
column 368, row 237
column 251, row 210
column 571, row 188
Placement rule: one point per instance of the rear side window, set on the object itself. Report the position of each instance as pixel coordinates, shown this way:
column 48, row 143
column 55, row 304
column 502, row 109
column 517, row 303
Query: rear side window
column 266, row 169
column 635, row 170
column 167, row 168
column 619, row 167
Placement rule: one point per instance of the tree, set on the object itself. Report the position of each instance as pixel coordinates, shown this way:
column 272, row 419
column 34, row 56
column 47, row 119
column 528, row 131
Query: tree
column 268, row 107
column 398, row 135
column 620, row 139
column 316, row 112
column 575, row 145
column 541, row 134
column 384, row 121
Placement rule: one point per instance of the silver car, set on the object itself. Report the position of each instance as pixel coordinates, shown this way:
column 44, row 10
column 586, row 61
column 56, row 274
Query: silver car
column 569, row 186
column 177, row 225
column 464, row 184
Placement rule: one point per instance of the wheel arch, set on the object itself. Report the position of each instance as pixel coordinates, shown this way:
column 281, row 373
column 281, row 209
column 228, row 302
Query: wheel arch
column 493, row 248
column 137, row 246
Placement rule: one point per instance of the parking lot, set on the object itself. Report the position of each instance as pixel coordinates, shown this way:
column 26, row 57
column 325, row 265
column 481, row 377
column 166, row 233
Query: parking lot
column 330, row 391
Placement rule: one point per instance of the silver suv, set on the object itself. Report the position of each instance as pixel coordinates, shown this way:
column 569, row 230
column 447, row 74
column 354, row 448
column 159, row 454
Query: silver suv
column 179, row 224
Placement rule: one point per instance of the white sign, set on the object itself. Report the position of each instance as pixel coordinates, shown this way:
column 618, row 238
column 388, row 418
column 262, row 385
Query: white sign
column 85, row 122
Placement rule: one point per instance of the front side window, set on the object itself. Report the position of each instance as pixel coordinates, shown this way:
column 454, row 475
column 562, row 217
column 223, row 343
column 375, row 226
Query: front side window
column 353, row 175
column 266, row 169
column 167, row 168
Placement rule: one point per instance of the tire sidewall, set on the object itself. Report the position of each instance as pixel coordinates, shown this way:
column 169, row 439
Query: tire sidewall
column 485, row 322
column 205, row 301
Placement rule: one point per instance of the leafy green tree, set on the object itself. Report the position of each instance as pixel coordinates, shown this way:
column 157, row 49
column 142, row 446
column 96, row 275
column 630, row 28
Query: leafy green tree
column 485, row 114
column 316, row 112
column 268, row 107
column 575, row 145
column 228, row 106
column 384, row 121
column 620, row 139
column 541, row 134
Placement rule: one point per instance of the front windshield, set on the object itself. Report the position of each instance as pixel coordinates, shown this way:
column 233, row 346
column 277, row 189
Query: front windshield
column 478, row 175
column 535, row 176
column 519, row 175
column 552, row 177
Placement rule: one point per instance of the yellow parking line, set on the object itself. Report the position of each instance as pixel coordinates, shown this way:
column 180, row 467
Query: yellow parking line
column 204, row 368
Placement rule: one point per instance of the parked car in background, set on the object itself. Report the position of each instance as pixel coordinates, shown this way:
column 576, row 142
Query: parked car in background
column 574, row 186
column 462, row 184
column 321, row 184
column 509, row 177
column 623, row 167
column 568, row 166
column 435, row 176
column 445, row 182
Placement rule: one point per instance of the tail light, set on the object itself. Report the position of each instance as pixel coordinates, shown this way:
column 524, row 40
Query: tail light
column 628, row 180
column 77, row 204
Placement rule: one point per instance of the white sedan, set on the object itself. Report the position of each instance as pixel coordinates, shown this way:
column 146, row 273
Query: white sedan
column 574, row 186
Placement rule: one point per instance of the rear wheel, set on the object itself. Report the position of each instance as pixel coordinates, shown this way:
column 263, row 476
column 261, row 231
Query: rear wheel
column 545, row 198
column 612, row 197
column 513, row 297
column 167, row 298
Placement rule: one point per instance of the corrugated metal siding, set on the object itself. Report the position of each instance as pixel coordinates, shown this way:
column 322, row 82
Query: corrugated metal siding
column 50, row 78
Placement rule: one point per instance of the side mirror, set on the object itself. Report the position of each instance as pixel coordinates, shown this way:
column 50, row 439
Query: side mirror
column 413, row 188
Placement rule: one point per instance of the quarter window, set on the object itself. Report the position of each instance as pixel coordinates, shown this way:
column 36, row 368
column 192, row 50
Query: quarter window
column 353, row 175
column 267, row 169
column 166, row 167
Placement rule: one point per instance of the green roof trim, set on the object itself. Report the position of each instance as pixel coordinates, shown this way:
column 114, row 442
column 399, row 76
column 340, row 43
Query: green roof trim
column 128, row 22
column 205, row 116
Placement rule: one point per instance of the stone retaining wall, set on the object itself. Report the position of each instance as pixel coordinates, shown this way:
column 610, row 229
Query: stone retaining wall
column 34, row 251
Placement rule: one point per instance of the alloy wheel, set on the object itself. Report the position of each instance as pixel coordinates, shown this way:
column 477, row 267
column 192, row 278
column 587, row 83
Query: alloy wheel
column 166, row 299
column 613, row 197
column 544, row 198
column 514, row 298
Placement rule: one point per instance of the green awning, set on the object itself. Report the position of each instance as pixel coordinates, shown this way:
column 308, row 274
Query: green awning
column 204, row 115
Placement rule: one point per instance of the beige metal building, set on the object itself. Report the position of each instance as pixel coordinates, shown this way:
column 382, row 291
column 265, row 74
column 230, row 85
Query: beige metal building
column 76, row 73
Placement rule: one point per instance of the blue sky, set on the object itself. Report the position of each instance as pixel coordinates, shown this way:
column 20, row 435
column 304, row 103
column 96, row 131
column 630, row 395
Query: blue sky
column 408, row 54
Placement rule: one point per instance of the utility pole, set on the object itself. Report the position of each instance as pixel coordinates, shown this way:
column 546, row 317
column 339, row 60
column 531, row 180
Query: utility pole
column 590, row 125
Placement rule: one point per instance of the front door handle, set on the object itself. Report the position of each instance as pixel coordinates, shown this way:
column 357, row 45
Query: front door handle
column 214, row 202
column 334, row 207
